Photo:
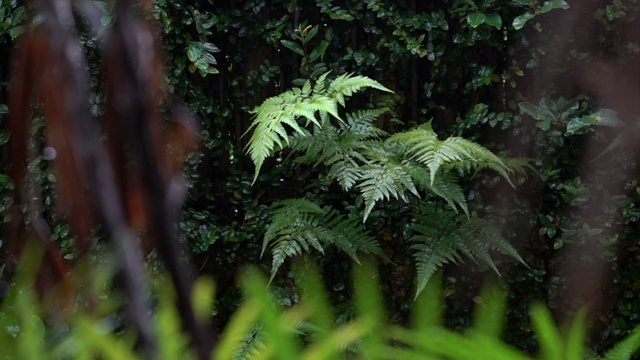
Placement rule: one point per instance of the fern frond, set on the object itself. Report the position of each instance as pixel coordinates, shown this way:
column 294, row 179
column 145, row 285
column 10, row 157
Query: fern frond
column 348, row 84
column 361, row 125
column 441, row 235
column 291, row 230
column 430, row 255
column 320, row 85
column 269, row 121
column 317, row 147
column 475, row 248
column 519, row 165
column 322, row 103
column 446, row 186
column 346, row 172
column 493, row 238
column 625, row 348
column 309, row 103
column 352, row 238
column 251, row 344
column 299, row 225
column 342, row 149
column 384, row 181
column 423, row 146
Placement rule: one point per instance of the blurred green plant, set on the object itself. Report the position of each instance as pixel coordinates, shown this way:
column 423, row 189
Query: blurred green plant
column 261, row 329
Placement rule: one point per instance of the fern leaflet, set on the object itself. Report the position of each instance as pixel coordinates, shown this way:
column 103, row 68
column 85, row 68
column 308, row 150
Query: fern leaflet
column 299, row 225
column 251, row 344
column 441, row 236
column 384, row 181
column 348, row 84
column 423, row 146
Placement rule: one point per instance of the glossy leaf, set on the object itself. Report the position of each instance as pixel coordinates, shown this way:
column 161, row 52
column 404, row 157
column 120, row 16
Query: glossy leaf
column 520, row 21
column 476, row 19
column 293, row 46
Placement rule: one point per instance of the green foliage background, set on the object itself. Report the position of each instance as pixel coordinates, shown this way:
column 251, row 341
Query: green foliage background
column 472, row 69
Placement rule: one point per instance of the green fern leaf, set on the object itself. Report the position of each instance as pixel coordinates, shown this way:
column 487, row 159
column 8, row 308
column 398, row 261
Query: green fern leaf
column 347, row 85
column 384, row 182
column 251, row 344
column 298, row 225
column 347, row 173
column 284, row 211
column 495, row 240
column 350, row 236
column 320, row 85
column 309, row 103
column 323, row 103
column 430, row 255
column 519, row 165
column 625, row 348
column 442, row 235
column 476, row 249
column 446, row 186
column 423, row 146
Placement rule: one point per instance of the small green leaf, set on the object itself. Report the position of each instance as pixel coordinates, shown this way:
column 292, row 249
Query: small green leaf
column 575, row 125
column 476, row 19
column 569, row 108
column 105, row 20
column 551, row 232
column 16, row 31
column 4, row 109
column 544, row 219
column 471, row 3
column 202, row 64
column 318, row 51
column 544, row 125
column 537, row 112
column 293, row 46
column 493, row 19
column 210, row 47
column 546, row 7
column 194, row 52
column 206, row 23
column 520, row 21
column 209, row 58
column 559, row 4
column 311, row 33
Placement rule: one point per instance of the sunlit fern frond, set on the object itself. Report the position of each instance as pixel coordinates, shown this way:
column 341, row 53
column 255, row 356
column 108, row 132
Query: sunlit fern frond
column 348, row 84
column 361, row 124
column 422, row 145
column 299, row 108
